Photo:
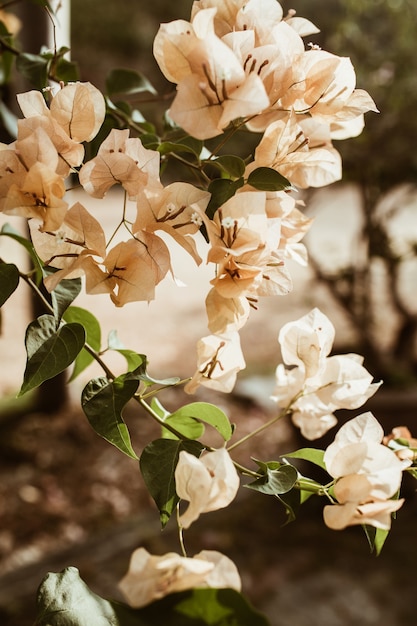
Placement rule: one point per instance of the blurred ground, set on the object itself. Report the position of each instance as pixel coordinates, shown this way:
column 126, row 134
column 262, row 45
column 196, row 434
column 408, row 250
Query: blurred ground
column 51, row 516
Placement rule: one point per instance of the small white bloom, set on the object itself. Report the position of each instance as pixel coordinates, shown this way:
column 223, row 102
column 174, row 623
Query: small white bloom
column 152, row 577
column 208, row 483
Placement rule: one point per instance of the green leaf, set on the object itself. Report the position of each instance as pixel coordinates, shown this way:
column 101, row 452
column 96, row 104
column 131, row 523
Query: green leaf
column 376, row 538
column 203, row 607
column 8, row 231
column 188, row 427
column 167, row 147
column 135, row 362
column 103, row 401
column 92, row 329
column 64, row 599
column 64, row 293
column 221, row 189
column 232, row 165
column 308, row 454
column 291, row 502
column 275, row 481
column 34, row 67
column 150, row 141
column 67, row 71
column 50, row 350
column 268, row 179
column 157, row 464
column 207, row 413
column 9, row 280
column 128, row 82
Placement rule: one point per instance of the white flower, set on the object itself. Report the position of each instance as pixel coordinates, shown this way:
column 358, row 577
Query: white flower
column 356, row 505
column 152, row 577
column 208, row 483
column 219, row 358
column 307, row 341
column 357, row 449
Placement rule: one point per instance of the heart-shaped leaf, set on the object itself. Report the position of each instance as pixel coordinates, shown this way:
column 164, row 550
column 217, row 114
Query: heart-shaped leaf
column 157, row 463
column 103, row 401
column 50, row 350
column 9, row 280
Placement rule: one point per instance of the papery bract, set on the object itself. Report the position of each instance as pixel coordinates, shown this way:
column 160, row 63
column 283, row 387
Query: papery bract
column 136, row 267
column 208, row 483
column 357, row 449
column 80, row 236
column 152, row 577
column 219, row 360
column 357, row 506
column 120, row 160
column 177, row 209
column 307, row 341
column 39, row 195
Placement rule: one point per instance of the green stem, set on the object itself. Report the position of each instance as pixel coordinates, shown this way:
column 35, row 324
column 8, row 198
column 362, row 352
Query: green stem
column 48, row 306
column 100, row 361
column 158, row 419
column 226, row 138
column 181, row 532
column 275, row 419
column 153, row 392
column 245, row 471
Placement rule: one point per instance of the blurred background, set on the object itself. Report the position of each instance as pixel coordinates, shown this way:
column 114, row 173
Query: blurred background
column 362, row 274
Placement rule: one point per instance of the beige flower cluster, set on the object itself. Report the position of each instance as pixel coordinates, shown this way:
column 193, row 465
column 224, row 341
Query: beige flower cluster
column 243, row 60
column 316, row 384
column 368, row 476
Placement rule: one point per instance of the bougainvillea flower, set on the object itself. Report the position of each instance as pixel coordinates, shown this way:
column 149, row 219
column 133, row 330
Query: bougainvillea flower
column 344, row 382
column 219, row 359
column 357, row 449
column 12, row 172
column 307, row 341
column 207, row 483
column 403, row 443
column 122, row 161
column 136, row 267
column 70, row 152
column 295, row 152
column 177, row 209
column 213, row 87
column 152, row 577
column 238, row 226
column 368, row 476
column 78, row 108
column 75, row 115
column 357, row 506
column 318, row 384
column 40, row 195
column 79, row 236
column 226, row 314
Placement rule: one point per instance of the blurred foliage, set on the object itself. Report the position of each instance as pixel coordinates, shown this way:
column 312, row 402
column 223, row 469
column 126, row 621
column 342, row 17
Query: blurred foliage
column 380, row 38
column 120, row 33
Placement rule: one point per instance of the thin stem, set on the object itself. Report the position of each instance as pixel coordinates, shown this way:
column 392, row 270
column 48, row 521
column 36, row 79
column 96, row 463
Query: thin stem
column 158, row 419
column 48, row 306
column 246, row 471
column 100, row 361
column 192, row 166
column 153, row 392
column 181, row 532
column 226, row 138
column 275, row 419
